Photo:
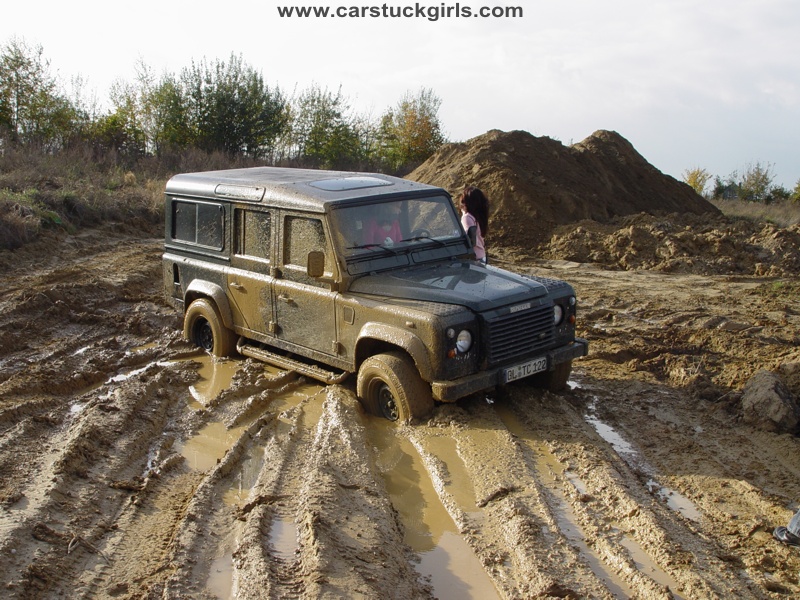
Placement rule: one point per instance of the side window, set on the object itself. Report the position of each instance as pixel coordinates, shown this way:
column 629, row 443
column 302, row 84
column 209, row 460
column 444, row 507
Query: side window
column 301, row 236
column 253, row 233
column 198, row 223
column 184, row 221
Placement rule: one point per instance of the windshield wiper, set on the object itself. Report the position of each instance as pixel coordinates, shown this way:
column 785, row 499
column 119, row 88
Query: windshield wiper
column 381, row 246
column 417, row 238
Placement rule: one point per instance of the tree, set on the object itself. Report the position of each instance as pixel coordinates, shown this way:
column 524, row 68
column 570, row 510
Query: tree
column 85, row 107
column 117, row 131
column 755, row 183
column 122, row 129
column 230, row 109
column 6, row 120
column 32, row 106
column 321, row 133
column 411, row 132
column 171, row 127
column 795, row 195
column 697, row 178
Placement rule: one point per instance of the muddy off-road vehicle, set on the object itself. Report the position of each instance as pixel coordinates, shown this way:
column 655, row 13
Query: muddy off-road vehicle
column 334, row 273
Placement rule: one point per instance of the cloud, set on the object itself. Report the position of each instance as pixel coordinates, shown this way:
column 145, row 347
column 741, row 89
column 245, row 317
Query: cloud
column 722, row 74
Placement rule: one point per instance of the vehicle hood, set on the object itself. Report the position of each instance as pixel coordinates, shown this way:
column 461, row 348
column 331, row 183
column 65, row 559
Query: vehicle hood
column 469, row 284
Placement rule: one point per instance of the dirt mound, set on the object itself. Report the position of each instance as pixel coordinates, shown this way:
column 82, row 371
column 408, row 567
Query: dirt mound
column 535, row 184
column 680, row 243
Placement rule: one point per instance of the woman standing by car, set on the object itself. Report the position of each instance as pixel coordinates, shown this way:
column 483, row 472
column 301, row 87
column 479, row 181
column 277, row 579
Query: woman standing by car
column 475, row 219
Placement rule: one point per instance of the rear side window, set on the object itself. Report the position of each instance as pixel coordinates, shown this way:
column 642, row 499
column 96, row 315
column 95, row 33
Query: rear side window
column 253, row 233
column 199, row 223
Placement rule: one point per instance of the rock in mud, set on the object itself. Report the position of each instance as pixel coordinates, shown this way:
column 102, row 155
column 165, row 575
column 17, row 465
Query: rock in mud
column 768, row 404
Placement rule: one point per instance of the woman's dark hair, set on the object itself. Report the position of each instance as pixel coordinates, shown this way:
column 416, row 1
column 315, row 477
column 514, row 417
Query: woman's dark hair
column 477, row 205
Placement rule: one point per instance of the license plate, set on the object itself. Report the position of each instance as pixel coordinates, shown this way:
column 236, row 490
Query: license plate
column 525, row 369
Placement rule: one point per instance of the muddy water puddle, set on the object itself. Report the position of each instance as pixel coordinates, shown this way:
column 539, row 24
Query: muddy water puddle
column 646, row 565
column 204, row 450
column 458, row 483
column 212, row 442
column 446, row 560
column 220, row 578
column 215, row 376
column 283, row 537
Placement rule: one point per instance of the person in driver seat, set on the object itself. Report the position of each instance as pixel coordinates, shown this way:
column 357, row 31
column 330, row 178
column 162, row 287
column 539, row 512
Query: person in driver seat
column 384, row 228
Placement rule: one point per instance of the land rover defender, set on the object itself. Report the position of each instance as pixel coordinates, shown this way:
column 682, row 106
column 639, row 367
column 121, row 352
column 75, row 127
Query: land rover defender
column 334, row 273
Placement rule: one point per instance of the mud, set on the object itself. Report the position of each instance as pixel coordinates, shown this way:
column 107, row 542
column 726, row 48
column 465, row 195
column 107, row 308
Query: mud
column 134, row 467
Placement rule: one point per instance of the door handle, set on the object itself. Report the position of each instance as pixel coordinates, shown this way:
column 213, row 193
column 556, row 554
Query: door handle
column 237, row 286
column 284, row 298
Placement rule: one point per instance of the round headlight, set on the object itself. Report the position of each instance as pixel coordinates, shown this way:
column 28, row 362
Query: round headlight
column 558, row 314
column 463, row 341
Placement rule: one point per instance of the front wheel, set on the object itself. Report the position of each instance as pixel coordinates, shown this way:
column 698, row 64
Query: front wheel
column 203, row 326
column 390, row 386
column 555, row 380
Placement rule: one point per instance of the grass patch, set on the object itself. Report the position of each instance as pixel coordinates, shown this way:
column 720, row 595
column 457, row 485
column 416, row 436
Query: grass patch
column 781, row 289
column 72, row 190
column 79, row 188
column 783, row 214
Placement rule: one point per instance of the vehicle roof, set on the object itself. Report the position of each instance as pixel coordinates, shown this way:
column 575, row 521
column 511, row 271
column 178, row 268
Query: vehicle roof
column 310, row 189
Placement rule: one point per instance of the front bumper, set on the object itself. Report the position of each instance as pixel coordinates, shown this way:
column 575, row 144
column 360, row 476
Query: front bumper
column 450, row 391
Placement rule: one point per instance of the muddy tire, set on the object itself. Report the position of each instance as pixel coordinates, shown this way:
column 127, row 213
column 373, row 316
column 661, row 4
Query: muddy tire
column 556, row 380
column 203, row 327
column 390, row 386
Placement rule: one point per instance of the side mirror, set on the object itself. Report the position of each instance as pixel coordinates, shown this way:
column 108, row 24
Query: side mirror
column 315, row 264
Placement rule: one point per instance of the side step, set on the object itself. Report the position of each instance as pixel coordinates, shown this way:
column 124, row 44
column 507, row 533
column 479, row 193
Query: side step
column 290, row 364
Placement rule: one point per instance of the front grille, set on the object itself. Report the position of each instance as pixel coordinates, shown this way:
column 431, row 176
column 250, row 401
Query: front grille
column 512, row 335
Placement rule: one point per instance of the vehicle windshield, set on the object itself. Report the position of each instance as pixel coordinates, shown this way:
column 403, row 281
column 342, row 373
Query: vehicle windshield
column 395, row 225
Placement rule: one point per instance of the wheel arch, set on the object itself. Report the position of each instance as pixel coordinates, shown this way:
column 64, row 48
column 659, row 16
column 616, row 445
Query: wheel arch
column 213, row 292
column 377, row 338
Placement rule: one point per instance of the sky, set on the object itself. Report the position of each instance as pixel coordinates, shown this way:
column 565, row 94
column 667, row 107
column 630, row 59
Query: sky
column 712, row 84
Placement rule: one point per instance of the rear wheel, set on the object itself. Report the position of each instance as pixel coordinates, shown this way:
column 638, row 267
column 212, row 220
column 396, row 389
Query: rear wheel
column 390, row 386
column 203, row 326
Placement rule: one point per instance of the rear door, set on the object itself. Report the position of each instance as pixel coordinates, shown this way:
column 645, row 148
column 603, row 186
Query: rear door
column 250, row 276
column 304, row 306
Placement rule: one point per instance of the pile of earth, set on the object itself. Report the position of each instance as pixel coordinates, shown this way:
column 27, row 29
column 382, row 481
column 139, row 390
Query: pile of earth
column 600, row 201
column 680, row 243
column 535, row 184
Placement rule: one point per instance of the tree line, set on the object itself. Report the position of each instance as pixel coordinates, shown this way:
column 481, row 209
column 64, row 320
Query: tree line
column 755, row 183
column 214, row 106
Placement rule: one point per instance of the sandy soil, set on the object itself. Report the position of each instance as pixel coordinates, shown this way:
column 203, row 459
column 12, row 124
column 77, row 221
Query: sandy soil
column 133, row 467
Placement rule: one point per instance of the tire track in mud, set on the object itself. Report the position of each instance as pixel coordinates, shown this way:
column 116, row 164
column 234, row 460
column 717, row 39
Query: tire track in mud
column 648, row 548
column 304, row 496
column 724, row 494
column 74, row 494
column 571, row 507
column 543, row 502
column 292, row 508
column 156, row 539
column 527, row 538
